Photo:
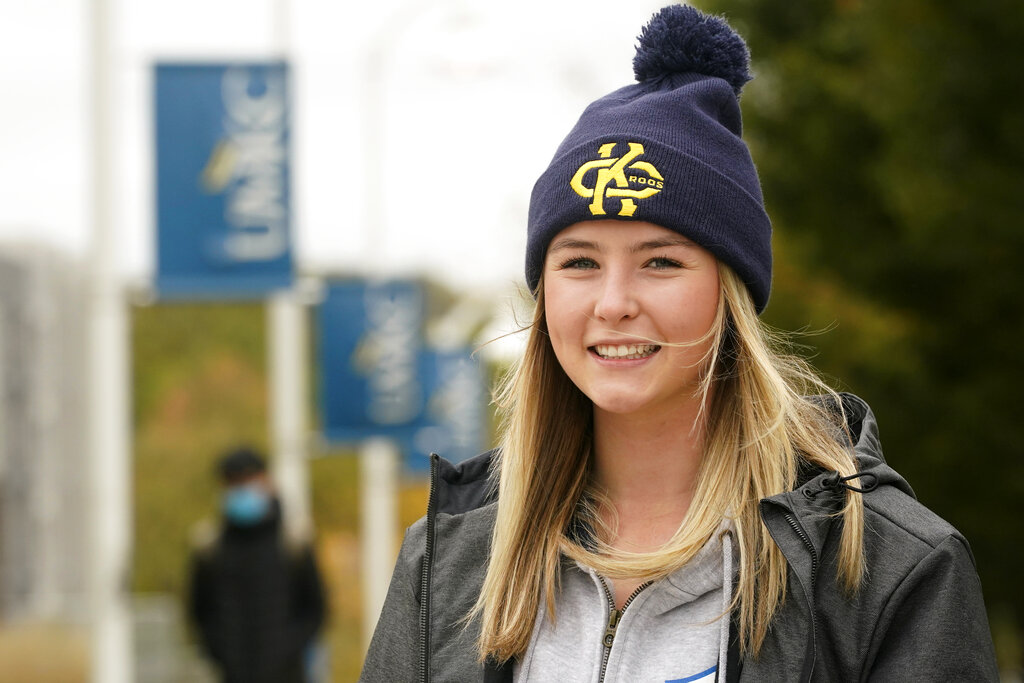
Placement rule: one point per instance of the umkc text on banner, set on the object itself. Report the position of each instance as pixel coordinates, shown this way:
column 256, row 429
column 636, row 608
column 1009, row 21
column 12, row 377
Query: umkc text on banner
column 222, row 170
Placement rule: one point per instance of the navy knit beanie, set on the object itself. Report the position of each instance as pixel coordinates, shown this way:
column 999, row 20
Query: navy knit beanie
column 665, row 150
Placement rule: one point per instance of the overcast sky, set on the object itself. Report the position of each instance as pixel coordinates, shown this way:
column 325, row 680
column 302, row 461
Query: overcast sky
column 476, row 95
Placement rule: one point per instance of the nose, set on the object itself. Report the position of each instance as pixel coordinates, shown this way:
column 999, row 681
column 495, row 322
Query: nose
column 616, row 299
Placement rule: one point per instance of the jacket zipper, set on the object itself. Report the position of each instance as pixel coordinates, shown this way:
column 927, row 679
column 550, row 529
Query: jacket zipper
column 799, row 530
column 614, row 617
column 428, row 555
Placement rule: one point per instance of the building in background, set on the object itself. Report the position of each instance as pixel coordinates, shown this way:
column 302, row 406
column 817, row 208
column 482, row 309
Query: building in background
column 43, row 476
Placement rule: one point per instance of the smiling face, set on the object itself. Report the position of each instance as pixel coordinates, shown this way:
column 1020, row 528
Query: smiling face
column 614, row 292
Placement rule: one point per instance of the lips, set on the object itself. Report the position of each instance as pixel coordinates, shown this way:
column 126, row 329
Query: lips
column 625, row 351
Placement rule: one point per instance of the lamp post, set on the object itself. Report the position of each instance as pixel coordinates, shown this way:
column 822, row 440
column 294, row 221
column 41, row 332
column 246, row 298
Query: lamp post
column 108, row 353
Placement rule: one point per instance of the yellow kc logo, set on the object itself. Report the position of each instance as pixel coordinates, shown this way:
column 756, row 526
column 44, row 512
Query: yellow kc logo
column 612, row 180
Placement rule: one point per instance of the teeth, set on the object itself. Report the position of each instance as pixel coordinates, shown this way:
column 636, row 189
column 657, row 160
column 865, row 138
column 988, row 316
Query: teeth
column 626, row 351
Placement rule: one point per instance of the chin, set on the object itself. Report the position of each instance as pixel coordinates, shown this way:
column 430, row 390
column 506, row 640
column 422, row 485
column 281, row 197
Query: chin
column 620, row 405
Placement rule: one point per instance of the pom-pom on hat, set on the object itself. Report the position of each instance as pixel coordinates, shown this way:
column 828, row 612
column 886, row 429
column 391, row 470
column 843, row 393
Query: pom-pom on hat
column 665, row 150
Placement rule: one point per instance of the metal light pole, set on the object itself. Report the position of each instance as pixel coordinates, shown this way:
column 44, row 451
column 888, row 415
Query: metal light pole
column 108, row 353
column 286, row 333
column 286, row 327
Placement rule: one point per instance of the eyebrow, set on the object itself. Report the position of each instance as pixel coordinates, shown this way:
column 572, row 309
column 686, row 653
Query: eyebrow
column 674, row 241
column 572, row 243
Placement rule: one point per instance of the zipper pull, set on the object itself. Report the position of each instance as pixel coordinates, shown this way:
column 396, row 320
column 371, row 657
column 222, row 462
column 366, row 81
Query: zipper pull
column 613, row 621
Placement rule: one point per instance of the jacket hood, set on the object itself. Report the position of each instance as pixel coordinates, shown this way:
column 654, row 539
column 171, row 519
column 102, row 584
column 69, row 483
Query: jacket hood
column 823, row 488
column 800, row 520
column 867, row 447
column 462, row 487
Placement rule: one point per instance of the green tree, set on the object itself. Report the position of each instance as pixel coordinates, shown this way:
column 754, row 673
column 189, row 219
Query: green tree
column 889, row 135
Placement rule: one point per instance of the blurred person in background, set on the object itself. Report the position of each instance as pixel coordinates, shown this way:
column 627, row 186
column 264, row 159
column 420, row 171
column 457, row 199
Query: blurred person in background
column 255, row 597
column 676, row 496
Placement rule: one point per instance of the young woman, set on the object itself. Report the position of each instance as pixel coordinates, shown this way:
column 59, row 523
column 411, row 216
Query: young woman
column 673, row 499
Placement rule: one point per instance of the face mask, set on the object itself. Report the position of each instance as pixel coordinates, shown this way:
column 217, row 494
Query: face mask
column 246, row 505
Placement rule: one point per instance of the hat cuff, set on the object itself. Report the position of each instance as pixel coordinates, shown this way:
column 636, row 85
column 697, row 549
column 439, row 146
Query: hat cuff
column 695, row 200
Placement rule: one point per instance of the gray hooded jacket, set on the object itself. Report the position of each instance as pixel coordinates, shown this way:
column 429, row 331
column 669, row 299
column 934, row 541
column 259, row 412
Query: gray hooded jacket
column 918, row 617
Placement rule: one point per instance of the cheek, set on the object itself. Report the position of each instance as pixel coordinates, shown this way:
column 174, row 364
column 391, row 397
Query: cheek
column 705, row 297
column 561, row 312
column 698, row 311
column 705, row 309
column 555, row 323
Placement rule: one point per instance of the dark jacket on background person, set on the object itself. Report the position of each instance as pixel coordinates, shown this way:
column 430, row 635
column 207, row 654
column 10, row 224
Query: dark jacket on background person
column 919, row 615
column 256, row 602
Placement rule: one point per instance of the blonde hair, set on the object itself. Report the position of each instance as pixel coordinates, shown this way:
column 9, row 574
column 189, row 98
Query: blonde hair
column 760, row 426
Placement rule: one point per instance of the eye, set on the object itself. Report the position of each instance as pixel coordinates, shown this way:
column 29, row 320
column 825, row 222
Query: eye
column 663, row 263
column 578, row 263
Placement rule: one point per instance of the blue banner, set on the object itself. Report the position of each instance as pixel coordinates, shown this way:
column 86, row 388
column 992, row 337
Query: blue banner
column 223, row 180
column 455, row 420
column 378, row 380
column 369, row 338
